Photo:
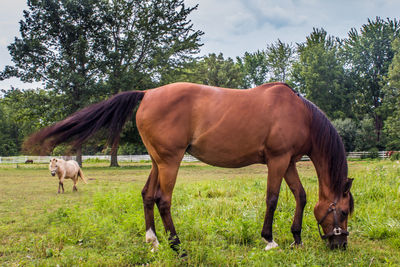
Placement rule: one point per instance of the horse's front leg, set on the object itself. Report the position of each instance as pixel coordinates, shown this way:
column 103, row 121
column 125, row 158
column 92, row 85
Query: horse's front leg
column 61, row 184
column 148, row 195
column 276, row 169
column 293, row 181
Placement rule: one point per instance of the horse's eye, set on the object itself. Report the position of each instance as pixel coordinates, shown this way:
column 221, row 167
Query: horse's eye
column 344, row 213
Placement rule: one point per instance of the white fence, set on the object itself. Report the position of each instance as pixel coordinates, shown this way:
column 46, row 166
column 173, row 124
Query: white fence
column 121, row 158
column 138, row 158
column 361, row 154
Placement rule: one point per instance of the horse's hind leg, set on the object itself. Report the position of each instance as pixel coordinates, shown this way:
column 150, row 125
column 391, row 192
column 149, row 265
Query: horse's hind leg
column 167, row 179
column 293, row 181
column 75, row 180
column 148, row 195
column 277, row 167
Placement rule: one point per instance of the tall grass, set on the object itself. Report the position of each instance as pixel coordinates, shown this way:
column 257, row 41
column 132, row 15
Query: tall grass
column 218, row 214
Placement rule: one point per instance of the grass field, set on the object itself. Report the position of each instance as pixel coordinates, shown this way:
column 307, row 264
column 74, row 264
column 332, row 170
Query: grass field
column 218, row 214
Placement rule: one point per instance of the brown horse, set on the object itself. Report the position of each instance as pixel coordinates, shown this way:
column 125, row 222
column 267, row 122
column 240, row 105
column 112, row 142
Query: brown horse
column 269, row 124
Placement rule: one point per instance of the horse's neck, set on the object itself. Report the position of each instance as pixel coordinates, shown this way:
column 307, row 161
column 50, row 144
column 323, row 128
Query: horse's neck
column 61, row 166
column 321, row 165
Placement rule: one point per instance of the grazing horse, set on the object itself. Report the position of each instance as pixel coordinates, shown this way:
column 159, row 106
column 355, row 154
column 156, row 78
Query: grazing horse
column 64, row 170
column 269, row 124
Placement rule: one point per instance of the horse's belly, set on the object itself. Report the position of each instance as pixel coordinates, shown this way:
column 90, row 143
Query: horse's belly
column 221, row 156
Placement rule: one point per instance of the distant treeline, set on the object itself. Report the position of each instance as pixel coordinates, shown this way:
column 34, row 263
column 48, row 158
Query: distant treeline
column 86, row 51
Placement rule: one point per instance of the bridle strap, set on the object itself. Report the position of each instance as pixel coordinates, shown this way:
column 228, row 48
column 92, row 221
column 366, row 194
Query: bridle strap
column 337, row 230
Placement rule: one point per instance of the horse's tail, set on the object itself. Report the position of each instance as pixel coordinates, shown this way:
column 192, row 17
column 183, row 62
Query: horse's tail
column 110, row 114
column 80, row 173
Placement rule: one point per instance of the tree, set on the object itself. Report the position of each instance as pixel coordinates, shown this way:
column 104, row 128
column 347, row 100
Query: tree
column 21, row 113
column 319, row 74
column 368, row 54
column 216, row 71
column 347, row 129
column 254, row 67
column 8, row 142
column 391, row 105
column 83, row 49
column 365, row 136
column 273, row 64
column 143, row 41
column 56, row 48
column 280, row 57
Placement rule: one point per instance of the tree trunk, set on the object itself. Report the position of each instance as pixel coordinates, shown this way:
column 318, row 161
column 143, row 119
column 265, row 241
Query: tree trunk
column 114, row 150
column 79, row 155
column 378, row 128
column 114, row 156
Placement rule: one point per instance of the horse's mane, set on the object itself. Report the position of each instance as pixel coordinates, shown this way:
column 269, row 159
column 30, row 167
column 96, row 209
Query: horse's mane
column 327, row 140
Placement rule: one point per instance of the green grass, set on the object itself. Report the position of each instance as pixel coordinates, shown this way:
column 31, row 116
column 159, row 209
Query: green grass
column 218, row 214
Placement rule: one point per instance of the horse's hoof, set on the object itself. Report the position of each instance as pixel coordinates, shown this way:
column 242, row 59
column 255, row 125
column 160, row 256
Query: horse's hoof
column 183, row 255
column 295, row 245
column 270, row 245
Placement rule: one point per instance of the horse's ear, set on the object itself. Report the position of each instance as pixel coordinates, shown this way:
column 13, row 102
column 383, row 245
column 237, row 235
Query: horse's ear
column 347, row 185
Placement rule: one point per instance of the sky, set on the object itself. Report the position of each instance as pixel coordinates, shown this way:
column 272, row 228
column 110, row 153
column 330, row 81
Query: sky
column 237, row 26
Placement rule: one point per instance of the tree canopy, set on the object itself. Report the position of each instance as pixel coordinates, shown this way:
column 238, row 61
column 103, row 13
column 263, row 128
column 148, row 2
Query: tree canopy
column 368, row 54
column 84, row 51
column 319, row 74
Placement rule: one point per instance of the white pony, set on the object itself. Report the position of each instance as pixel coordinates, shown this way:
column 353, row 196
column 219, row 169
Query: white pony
column 66, row 169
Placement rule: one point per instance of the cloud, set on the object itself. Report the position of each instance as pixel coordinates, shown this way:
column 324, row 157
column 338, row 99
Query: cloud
column 276, row 14
column 236, row 26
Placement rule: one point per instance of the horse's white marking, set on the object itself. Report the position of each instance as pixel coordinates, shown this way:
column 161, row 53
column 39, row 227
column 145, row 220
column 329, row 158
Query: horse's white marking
column 270, row 245
column 152, row 238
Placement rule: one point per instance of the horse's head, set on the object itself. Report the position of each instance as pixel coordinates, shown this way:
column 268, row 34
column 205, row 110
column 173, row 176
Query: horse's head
column 53, row 166
column 332, row 216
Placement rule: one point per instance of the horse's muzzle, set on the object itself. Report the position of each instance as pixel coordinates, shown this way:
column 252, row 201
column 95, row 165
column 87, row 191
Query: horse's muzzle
column 339, row 241
column 53, row 173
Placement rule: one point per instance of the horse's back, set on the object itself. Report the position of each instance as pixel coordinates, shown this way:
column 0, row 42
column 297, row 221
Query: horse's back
column 71, row 167
column 165, row 116
column 223, row 127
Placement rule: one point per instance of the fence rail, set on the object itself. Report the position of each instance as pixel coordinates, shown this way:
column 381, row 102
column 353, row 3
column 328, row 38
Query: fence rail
column 138, row 158
column 121, row 158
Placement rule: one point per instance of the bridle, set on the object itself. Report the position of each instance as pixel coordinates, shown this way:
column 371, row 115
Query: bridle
column 337, row 230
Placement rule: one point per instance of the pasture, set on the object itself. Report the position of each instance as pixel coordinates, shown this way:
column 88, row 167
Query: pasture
column 218, row 214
